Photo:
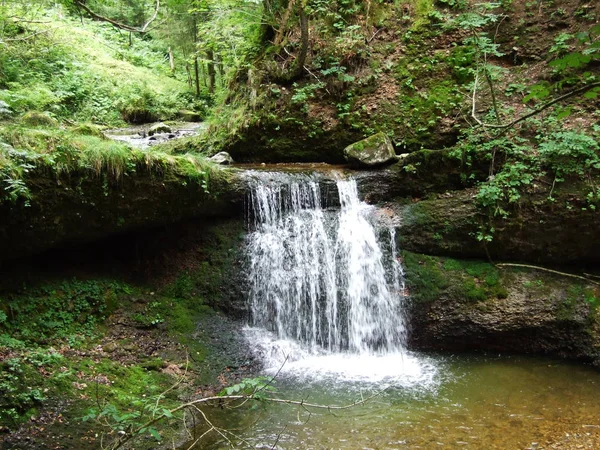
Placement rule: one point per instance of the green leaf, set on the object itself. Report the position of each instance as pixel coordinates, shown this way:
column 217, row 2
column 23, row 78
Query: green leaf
column 154, row 433
column 565, row 112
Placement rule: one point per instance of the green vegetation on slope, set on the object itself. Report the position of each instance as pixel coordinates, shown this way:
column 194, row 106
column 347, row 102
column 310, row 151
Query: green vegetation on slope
column 84, row 72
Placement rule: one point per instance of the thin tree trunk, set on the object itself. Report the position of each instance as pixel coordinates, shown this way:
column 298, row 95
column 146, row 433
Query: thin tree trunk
column 220, row 69
column 197, row 76
column 189, row 75
column 171, row 60
column 195, row 40
column 283, row 27
column 211, row 70
column 301, row 58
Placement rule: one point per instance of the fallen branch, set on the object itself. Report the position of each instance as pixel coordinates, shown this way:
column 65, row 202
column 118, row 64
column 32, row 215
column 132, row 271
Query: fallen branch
column 194, row 405
column 528, row 266
column 122, row 26
column 578, row 91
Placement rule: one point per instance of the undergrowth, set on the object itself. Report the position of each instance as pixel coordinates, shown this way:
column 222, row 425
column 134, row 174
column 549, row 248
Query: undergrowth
column 50, row 346
column 87, row 72
column 430, row 278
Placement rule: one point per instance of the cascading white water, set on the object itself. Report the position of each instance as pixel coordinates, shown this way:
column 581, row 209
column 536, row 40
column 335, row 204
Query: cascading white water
column 319, row 276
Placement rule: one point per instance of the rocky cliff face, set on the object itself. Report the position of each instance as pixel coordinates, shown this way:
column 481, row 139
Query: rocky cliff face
column 73, row 209
column 468, row 306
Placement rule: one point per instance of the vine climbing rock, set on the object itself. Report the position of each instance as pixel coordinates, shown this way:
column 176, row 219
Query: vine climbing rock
column 376, row 150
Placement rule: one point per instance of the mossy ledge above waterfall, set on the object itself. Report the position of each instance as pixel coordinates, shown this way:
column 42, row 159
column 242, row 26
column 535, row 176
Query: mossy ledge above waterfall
column 470, row 305
column 82, row 203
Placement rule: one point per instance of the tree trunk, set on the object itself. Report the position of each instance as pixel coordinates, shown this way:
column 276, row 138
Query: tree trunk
column 283, row 27
column 211, row 70
column 171, row 60
column 301, row 58
column 197, row 76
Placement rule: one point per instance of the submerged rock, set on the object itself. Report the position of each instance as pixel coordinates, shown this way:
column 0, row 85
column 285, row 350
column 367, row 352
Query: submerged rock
column 375, row 150
column 159, row 128
column 222, row 158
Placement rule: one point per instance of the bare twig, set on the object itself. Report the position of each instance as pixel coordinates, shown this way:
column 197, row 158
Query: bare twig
column 278, row 438
column 528, row 266
column 373, row 35
column 194, row 405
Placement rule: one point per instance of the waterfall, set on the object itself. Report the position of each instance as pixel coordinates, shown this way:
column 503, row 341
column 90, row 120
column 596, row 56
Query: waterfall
column 324, row 277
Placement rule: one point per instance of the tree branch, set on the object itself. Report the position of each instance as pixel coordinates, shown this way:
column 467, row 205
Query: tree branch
column 122, row 26
column 527, row 266
column 547, row 105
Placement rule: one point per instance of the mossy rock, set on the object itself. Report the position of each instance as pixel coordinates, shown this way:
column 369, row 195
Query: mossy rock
column 159, row 128
column 466, row 305
column 189, row 116
column 89, row 129
column 38, row 119
column 376, row 150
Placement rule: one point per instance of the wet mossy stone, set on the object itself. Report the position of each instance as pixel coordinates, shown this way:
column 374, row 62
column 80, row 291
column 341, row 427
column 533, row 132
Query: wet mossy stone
column 159, row 128
column 222, row 158
column 38, row 119
column 376, row 150
column 189, row 116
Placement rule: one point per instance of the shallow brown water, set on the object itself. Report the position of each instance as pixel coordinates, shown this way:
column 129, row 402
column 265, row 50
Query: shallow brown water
column 468, row 402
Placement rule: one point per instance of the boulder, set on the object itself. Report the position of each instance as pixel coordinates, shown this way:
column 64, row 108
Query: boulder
column 469, row 305
column 189, row 116
column 222, row 158
column 373, row 151
column 159, row 128
column 38, row 119
column 5, row 110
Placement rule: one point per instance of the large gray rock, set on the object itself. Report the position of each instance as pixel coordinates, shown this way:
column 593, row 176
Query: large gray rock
column 222, row 158
column 373, row 151
column 159, row 128
column 536, row 230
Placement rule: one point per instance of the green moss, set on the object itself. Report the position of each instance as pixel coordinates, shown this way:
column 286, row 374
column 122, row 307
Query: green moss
column 576, row 296
column 58, row 310
column 38, row 119
column 88, row 129
column 424, row 277
column 59, row 152
column 430, row 277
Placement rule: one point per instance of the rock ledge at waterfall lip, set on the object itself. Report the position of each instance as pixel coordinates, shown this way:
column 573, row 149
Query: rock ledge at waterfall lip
column 376, row 150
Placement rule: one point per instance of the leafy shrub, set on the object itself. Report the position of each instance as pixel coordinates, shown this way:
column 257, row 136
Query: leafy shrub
column 570, row 153
column 55, row 311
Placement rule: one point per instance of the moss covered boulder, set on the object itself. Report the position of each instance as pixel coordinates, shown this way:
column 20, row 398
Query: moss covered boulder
column 466, row 305
column 376, row 150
